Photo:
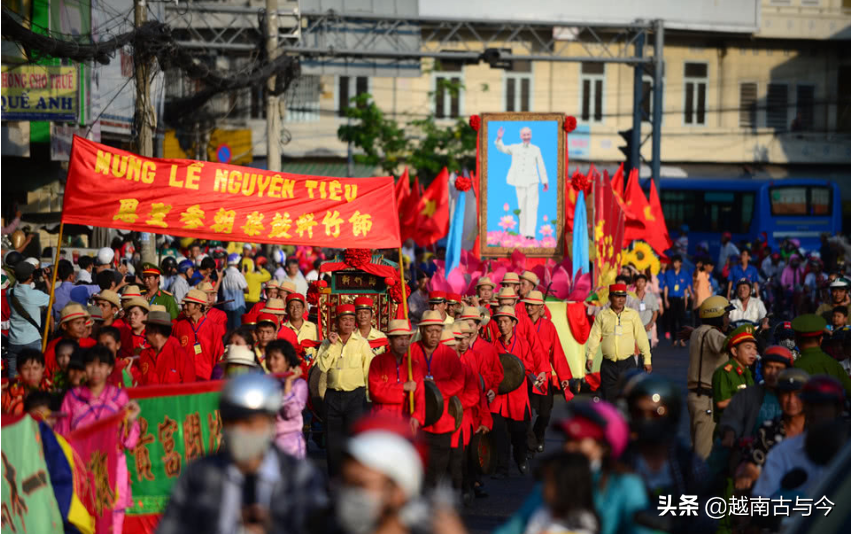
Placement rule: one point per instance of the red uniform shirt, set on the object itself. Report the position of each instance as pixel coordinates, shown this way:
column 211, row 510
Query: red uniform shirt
column 521, row 309
column 119, row 323
column 50, row 354
column 173, row 365
column 444, row 367
column 285, row 332
column 469, row 397
column 220, row 319
column 559, row 368
column 523, row 328
column 386, row 380
column 203, row 341
column 489, row 363
column 515, row 404
column 132, row 344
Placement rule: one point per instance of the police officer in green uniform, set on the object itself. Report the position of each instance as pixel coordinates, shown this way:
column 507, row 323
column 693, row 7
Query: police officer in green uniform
column 734, row 375
column 151, row 278
column 809, row 330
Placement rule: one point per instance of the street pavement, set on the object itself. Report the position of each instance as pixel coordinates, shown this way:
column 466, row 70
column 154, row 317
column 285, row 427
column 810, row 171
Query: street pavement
column 507, row 495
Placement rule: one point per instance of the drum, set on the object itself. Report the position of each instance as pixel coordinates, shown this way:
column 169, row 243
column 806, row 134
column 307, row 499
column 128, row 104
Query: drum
column 513, row 373
column 316, row 388
column 481, row 443
column 434, row 403
column 455, row 409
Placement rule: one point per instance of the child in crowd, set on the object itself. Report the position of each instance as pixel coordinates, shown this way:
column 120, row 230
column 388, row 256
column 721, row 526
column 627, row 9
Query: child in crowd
column 241, row 337
column 97, row 400
column 110, row 337
column 31, row 377
column 64, row 349
column 839, row 317
column 281, row 358
column 76, row 370
column 567, row 492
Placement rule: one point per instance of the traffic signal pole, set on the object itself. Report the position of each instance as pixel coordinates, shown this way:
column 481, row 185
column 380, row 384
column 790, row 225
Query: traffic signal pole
column 658, row 101
column 638, row 70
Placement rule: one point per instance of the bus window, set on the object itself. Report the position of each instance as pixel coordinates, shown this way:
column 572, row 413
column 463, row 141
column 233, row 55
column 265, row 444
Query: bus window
column 800, row 200
column 708, row 211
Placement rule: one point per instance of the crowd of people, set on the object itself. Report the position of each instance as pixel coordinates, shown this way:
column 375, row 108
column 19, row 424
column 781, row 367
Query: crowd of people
column 766, row 391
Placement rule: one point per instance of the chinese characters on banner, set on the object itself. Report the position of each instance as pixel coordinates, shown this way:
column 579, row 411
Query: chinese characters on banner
column 112, row 188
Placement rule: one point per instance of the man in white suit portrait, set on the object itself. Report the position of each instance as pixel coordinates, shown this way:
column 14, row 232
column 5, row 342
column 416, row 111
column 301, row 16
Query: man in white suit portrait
column 525, row 173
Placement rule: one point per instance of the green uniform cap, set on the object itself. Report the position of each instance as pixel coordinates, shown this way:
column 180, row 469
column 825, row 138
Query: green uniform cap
column 739, row 335
column 809, row 325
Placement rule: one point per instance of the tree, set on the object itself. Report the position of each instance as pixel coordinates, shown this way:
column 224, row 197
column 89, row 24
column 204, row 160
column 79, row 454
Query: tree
column 427, row 149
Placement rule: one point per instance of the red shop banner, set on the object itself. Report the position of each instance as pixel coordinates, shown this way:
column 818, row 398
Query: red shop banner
column 112, row 188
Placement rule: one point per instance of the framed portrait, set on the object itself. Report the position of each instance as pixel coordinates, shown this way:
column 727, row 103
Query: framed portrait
column 522, row 184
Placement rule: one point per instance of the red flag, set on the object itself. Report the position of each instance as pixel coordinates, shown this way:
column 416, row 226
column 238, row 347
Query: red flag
column 408, row 211
column 609, row 226
column 657, row 212
column 618, row 181
column 402, row 190
column 432, row 214
column 642, row 224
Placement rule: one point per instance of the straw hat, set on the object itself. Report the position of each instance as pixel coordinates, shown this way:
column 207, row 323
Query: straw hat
column 507, row 293
column 485, row 281
column 157, row 308
column 431, row 317
column 136, row 301
column 534, row 297
column 510, row 278
column 275, row 307
column 130, row 292
column 273, row 284
column 506, row 311
column 196, row 296
column 240, row 355
column 447, row 337
column 462, row 329
column 399, row 327
column 72, row 311
column 109, row 296
column 207, row 287
column 470, row 312
column 530, row 276
column 159, row 317
column 95, row 313
column 287, row 287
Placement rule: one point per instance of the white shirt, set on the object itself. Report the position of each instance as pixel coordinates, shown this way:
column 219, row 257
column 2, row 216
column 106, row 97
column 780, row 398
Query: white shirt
column 727, row 250
column 526, row 159
column 771, row 270
column 298, row 280
column 755, row 311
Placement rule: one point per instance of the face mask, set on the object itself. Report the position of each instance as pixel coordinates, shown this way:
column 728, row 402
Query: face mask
column 357, row 510
column 244, row 446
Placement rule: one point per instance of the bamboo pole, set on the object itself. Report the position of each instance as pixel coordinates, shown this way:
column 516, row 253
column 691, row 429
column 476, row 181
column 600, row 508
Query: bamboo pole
column 52, row 288
column 405, row 312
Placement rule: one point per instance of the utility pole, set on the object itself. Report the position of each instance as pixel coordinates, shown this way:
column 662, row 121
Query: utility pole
column 273, row 114
column 146, row 119
column 659, row 39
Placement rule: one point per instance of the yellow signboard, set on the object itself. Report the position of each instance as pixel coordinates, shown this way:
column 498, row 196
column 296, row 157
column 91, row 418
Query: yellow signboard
column 40, row 93
column 224, row 146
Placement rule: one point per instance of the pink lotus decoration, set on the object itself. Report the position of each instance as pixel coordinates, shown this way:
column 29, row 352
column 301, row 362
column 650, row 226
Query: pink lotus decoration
column 554, row 278
column 507, row 222
column 546, row 230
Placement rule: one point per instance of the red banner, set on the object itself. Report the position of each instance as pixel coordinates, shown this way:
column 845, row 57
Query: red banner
column 112, row 188
column 97, row 446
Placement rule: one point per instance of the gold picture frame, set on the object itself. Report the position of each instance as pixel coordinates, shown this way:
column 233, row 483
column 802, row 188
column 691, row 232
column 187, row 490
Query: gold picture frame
column 497, row 246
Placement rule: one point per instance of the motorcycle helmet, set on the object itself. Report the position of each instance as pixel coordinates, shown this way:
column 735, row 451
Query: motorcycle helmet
column 250, row 394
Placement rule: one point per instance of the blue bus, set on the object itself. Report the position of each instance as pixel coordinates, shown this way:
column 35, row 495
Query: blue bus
column 795, row 208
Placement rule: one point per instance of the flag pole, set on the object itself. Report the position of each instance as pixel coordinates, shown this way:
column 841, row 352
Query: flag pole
column 52, row 289
column 405, row 312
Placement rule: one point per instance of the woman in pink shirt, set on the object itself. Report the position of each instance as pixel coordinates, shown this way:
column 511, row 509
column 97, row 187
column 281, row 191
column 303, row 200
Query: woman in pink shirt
column 281, row 358
column 98, row 400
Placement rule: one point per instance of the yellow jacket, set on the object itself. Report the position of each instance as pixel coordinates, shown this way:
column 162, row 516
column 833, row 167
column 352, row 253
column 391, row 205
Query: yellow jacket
column 254, row 279
column 347, row 365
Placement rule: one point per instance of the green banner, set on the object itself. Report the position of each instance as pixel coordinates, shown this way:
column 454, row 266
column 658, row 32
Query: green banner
column 178, row 424
column 29, row 504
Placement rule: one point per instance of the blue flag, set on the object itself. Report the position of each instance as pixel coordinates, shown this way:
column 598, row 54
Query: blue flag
column 454, row 241
column 580, row 248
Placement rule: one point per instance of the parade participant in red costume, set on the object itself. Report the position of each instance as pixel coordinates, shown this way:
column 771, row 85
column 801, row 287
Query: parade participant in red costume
column 484, row 291
column 488, row 360
column 511, row 411
column 558, row 369
column 164, row 361
column 470, row 401
column 198, row 335
column 443, row 367
column 133, row 340
column 271, row 291
column 509, row 297
column 72, row 325
column 110, row 305
column 217, row 316
column 388, row 378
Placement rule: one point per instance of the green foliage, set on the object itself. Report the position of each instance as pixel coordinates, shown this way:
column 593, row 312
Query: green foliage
column 428, row 147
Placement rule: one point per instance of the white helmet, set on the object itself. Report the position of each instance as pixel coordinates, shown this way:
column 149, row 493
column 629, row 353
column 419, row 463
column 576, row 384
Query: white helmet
column 105, row 256
column 249, row 394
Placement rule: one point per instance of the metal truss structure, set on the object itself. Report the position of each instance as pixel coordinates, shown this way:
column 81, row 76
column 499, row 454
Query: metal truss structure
column 329, row 35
